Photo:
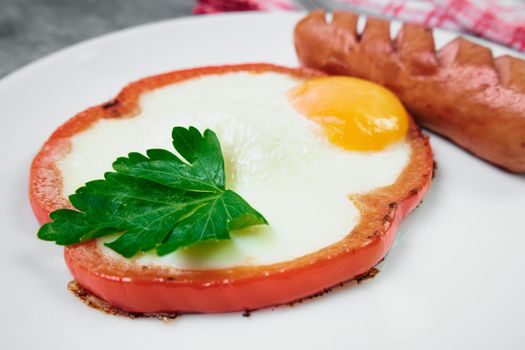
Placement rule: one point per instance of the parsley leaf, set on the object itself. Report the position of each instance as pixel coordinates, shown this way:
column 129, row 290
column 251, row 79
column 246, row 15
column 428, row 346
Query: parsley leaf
column 159, row 200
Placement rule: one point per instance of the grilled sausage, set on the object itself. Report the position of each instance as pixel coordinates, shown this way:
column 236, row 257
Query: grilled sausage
column 460, row 91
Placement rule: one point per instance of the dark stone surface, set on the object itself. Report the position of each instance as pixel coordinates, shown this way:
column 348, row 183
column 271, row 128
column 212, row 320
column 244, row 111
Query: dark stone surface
column 30, row 29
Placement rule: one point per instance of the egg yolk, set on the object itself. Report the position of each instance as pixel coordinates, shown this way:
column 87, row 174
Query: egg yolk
column 354, row 114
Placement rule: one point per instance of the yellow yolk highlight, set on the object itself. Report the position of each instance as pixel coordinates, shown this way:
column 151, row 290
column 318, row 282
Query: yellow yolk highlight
column 355, row 114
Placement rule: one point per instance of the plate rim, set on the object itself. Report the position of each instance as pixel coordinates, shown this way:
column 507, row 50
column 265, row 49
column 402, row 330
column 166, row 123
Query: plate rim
column 56, row 55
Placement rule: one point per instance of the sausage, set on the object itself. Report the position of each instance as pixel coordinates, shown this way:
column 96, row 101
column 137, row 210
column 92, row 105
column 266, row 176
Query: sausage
column 460, row 91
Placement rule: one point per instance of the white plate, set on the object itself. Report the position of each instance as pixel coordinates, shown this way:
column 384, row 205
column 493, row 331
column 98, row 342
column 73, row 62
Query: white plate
column 452, row 280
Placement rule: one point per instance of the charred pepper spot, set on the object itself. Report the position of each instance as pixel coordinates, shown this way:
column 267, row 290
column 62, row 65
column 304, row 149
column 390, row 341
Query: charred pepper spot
column 110, row 104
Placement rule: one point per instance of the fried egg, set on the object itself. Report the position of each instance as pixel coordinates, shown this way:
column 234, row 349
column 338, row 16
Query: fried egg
column 296, row 150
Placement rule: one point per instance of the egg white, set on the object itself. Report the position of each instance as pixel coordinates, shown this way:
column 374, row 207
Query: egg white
column 277, row 159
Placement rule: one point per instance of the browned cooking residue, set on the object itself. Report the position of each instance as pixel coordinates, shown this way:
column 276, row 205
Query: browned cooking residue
column 95, row 302
column 359, row 279
column 369, row 275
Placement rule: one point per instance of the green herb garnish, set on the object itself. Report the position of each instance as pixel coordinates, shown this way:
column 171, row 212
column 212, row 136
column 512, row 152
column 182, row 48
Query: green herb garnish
column 159, row 201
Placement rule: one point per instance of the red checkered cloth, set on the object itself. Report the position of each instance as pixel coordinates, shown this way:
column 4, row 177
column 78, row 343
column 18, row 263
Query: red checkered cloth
column 215, row 6
column 496, row 20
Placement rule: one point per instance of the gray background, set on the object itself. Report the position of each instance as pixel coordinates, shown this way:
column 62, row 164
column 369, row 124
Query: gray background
column 30, row 29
